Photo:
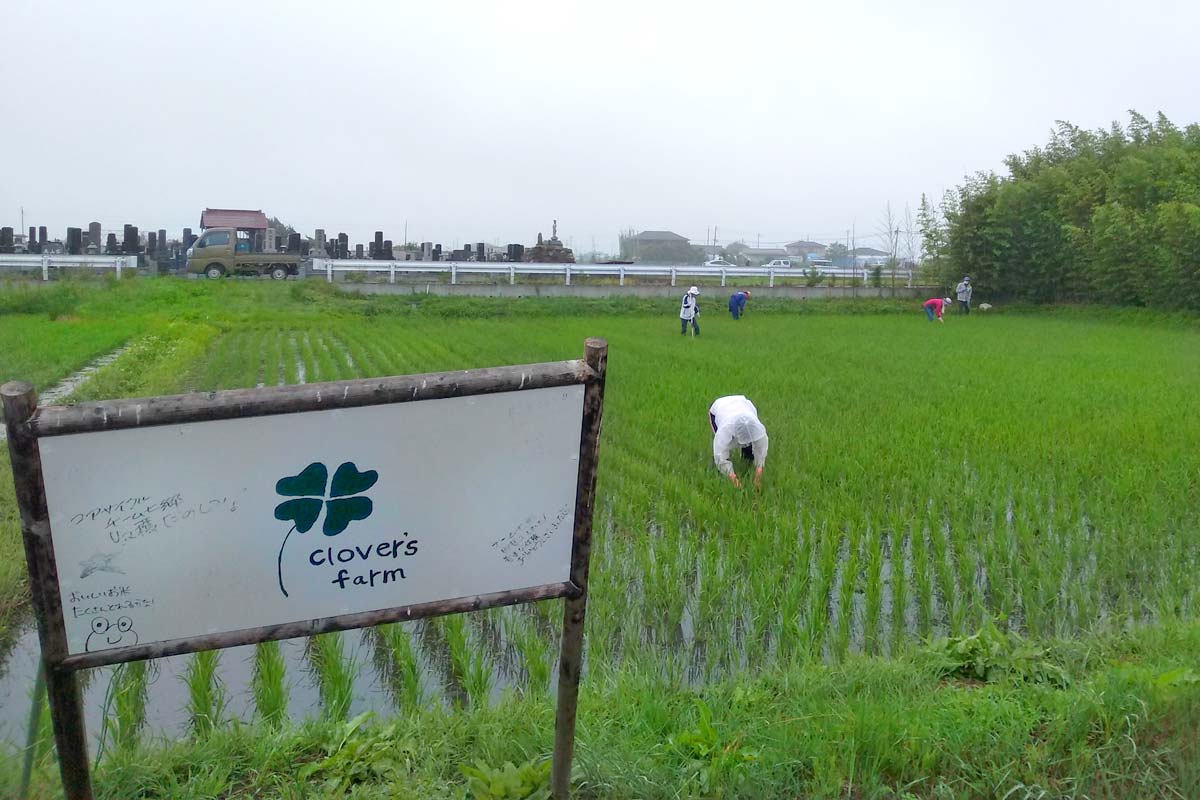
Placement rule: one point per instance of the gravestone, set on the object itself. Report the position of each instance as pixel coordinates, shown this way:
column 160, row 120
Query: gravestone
column 480, row 252
column 110, row 246
column 161, row 252
column 387, row 250
column 426, row 251
column 188, row 238
column 320, row 237
column 41, row 237
column 74, row 241
column 358, row 253
column 94, row 233
column 343, row 246
column 32, row 245
column 293, row 243
column 437, row 252
column 6, row 240
column 151, row 242
column 130, row 242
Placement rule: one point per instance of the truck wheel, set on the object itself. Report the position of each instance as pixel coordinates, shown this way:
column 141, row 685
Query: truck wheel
column 214, row 271
column 279, row 273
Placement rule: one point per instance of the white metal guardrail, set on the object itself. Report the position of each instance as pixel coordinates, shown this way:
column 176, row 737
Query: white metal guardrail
column 330, row 266
column 32, row 262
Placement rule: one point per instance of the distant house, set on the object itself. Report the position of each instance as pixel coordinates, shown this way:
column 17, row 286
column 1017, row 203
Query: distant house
column 868, row 257
column 805, row 249
column 710, row 250
column 660, row 247
column 659, row 237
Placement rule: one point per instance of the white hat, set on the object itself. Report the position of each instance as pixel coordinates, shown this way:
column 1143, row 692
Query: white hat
column 747, row 430
column 693, row 290
column 947, row 299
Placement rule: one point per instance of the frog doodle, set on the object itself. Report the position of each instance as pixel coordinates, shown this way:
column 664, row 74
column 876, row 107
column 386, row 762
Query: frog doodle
column 105, row 634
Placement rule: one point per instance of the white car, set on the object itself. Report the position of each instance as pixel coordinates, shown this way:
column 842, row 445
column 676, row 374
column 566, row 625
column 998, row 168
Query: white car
column 779, row 263
column 718, row 262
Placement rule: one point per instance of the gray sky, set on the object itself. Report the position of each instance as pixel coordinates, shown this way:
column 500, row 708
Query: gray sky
column 483, row 121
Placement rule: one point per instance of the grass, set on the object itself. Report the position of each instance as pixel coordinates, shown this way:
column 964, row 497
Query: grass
column 865, row 728
column 1032, row 468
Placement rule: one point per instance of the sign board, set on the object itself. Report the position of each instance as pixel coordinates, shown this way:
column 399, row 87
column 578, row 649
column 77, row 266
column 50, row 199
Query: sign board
column 174, row 524
column 207, row 527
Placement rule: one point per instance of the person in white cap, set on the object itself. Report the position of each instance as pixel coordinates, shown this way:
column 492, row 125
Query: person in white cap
column 734, row 421
column 963, row 293
column 689, row 311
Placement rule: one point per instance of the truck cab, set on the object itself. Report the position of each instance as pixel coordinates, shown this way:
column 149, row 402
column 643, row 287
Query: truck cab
column 229, row 251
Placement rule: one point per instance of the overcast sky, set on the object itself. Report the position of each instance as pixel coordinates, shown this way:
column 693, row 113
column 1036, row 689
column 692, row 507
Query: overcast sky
column 484, row 121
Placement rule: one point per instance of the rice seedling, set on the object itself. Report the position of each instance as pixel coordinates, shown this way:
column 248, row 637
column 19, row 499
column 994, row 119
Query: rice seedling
column 334, row 673
column 206, row 693
column 536, row 653
column 874, row 591
column 469, row 662
column 403, row 669
column 125, row 704
column 269, row 683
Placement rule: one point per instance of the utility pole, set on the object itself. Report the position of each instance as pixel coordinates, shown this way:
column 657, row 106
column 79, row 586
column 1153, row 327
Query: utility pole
column 853, row 247
column 406, row 233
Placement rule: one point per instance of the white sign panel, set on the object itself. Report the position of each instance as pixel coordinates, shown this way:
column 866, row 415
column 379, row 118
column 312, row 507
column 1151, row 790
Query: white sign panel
column 178, row 531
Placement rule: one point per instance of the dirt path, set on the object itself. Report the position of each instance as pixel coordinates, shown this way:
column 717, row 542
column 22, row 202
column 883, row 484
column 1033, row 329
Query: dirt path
column 69, row 384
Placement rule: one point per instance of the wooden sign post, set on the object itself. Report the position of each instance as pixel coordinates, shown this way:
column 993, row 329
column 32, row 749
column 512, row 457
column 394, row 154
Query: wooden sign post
column 167, row 525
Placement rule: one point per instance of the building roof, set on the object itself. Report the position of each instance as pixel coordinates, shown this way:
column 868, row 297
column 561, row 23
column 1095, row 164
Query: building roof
column 867, row 251
column 763, row 251
column 660, row 236
column 802, row 244
column 233, row 218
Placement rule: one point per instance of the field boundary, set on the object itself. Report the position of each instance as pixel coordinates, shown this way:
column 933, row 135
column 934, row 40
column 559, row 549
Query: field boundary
column 597, row 292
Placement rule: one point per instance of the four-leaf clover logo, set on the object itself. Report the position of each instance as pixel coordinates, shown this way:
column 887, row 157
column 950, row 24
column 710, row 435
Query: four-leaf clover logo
column 342, row 504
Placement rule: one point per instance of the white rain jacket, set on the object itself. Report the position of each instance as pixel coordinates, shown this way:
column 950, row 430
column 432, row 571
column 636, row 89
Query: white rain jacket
column 963, row 291
column 737, row 425
column 688, row 309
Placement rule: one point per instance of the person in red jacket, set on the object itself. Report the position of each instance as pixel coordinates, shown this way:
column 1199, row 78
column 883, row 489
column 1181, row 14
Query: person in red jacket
column 934, row 307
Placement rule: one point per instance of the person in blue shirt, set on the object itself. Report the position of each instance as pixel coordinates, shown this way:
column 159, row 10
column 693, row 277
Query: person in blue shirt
column 737, row 303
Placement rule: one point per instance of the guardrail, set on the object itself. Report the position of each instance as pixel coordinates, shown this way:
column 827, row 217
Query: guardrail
column 330, row 266
column 30, row 262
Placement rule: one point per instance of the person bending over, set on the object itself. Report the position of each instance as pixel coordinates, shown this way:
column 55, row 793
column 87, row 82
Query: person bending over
column 734, row 421
column 934, row 306
column 737, row 303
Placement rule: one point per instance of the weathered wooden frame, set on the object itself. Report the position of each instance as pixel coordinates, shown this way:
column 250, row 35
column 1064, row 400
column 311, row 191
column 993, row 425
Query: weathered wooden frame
column 27, row 424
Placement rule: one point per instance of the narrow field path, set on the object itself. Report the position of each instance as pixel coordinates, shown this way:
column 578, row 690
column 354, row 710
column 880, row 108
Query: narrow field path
column 63, row 390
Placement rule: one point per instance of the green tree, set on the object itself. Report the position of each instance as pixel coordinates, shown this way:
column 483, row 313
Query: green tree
column 1109, row 216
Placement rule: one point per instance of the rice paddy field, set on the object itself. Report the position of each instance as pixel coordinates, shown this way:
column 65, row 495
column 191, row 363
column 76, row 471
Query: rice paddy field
column 971, row 570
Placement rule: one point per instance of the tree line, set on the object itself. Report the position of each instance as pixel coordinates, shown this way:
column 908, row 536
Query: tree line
column 1106, row 216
